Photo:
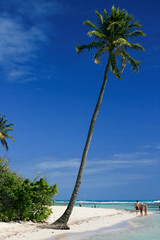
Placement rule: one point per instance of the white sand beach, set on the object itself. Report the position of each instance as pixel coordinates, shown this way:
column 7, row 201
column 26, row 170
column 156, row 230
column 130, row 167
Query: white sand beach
column 82, row 219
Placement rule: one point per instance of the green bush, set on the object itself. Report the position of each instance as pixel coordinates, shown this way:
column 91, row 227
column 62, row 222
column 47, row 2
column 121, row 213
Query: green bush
column 21, row 199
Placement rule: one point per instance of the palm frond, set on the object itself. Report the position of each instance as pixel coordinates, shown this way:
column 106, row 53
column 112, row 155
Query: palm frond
column 89, row 47
column 118, row 52
column 113, row 24
column 129, row 18
column 100, row 52
column 137, row 46
column 136, row 33
column 114, row 68
column 122, row 42
column 4, row 144
column 90, row 24
column 113, row 12
column 4, row 129
column 134, row 63
column 1, row 135
column 100, row 17
column 97, row 34
column 3, row 121
column 8, row 126
column 124, row 62
column 106, row 15
column 8, row 136
column 134, row 24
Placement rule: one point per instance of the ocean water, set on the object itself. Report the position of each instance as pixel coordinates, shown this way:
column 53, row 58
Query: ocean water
column 125, row 204
column 140, row 228
column 146, row 228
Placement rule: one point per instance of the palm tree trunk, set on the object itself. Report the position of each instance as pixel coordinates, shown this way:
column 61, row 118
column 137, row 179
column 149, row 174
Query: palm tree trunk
column 61, row 223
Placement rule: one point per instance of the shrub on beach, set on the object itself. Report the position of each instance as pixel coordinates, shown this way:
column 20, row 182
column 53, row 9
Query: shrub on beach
column 22, row 199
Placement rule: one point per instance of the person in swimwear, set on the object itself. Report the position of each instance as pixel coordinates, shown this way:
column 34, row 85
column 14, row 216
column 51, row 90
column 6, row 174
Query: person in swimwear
column 141, row 209
column 145, row 209
column 137, row 206
column 142, row 205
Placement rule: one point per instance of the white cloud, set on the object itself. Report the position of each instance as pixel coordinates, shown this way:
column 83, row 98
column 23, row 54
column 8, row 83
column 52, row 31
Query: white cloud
column 17, row 47
column 114, row 171
column 146, row 147
column 101, row 184
column 23, row 31
column 59, row 164
column 130, row 155
column 118, row 162
column 39, row 8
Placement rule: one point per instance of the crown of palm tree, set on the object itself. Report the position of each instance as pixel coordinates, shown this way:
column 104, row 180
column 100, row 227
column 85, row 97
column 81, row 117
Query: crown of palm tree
column 4, row 128
column 112, row 34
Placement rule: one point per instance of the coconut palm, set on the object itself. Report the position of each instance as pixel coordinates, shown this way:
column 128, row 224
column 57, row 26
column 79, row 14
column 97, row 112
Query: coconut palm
column 4, row 129
column 111, row 36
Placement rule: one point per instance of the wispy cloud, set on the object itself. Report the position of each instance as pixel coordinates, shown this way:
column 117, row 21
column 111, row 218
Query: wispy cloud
column 146, row 147
column 58, row 164
column 118, row 169
column 130, row 155
column 23, row 31
column 118, row 162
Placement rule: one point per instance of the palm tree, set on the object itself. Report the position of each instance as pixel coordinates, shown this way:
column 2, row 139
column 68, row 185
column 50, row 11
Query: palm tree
column 4, row 128
column 110, row 36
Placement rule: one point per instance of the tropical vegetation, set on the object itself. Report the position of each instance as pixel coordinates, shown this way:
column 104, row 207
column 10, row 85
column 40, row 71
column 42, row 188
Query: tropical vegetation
column 22, row 199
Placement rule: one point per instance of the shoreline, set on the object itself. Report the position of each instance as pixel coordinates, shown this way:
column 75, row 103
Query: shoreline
column 82, row 220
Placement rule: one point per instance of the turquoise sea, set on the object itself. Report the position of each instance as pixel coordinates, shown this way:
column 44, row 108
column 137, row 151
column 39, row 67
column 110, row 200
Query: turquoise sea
column 118, row 204
column 140, row 228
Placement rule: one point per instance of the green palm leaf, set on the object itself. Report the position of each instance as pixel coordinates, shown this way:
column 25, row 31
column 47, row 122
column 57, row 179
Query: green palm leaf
column 134, row 63
column 106, row 15
column 134, row 24
column 137, row 46
column 100, row 17
column 111, row 26
column 100, row 52
column 89, row 47
column 89, row 24
column 114, row 68
column 136, row 33
column 4, row 129
column 121, row 42
column 97, row 34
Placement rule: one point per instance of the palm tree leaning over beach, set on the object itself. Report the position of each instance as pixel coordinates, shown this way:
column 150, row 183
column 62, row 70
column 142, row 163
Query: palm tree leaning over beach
column 110, row 36
column 4, row 129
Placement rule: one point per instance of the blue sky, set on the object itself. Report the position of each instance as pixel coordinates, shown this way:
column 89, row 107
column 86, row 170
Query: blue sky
column 49, row 92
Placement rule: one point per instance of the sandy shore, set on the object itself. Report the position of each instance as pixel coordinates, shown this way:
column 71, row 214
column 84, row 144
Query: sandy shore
column 82, row 220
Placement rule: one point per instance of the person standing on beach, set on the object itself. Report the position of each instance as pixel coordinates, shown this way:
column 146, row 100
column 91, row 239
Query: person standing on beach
column 137, row 206
column 145, row 209
column 142, row 205
column 141, row 209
